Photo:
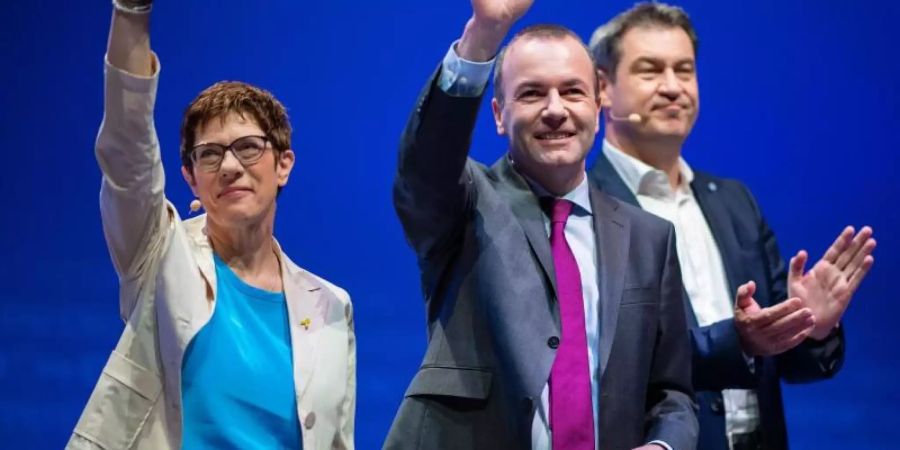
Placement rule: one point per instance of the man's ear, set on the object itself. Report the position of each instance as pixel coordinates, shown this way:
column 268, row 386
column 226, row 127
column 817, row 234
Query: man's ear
column 497, row 109
column 604, row 85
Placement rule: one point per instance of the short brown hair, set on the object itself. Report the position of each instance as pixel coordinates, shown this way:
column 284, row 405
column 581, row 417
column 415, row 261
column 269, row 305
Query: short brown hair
column 227, row 97
column 539, row 31
column 606, row 42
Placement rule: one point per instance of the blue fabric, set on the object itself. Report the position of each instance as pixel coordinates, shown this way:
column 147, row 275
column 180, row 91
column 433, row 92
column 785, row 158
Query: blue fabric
column 237, row 376
column 462, row 78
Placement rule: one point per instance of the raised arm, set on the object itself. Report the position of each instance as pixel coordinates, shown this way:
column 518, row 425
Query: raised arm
column 128, row 47
column 132, row 202
column 490, row 22
column 431, row 191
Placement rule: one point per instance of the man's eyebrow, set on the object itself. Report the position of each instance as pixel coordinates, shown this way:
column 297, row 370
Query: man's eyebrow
column 657, row 61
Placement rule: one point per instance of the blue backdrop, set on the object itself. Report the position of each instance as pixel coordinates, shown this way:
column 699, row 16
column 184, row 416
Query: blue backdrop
column 799, row 101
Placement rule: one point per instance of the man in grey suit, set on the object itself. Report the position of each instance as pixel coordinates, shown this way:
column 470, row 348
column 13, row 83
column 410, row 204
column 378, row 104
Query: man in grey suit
column 576, row 341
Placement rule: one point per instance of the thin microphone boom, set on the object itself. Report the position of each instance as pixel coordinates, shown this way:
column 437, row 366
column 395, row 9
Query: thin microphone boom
column 633, row 117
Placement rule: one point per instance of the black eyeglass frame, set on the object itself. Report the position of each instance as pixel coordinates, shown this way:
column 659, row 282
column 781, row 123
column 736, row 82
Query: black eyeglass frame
column 245, row 161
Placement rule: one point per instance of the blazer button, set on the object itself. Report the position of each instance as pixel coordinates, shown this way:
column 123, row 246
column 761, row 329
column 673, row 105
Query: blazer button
column 553, row 342
column 310, row 420
column 717, row 405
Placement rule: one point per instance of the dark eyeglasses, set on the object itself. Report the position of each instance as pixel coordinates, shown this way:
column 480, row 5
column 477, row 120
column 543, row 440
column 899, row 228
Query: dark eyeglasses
column 248, row 150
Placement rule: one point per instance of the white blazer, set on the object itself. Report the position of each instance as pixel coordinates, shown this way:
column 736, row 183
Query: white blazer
column 168, row 293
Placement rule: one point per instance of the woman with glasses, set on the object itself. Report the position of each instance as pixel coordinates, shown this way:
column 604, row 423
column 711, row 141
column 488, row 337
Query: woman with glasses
column 227, row 343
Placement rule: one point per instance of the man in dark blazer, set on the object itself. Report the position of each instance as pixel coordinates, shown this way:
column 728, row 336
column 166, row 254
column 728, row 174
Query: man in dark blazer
column 646, row 57
column 498, row 290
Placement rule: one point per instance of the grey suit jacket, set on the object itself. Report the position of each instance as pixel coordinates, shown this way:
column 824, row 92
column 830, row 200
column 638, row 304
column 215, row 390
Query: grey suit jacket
column 488, row 280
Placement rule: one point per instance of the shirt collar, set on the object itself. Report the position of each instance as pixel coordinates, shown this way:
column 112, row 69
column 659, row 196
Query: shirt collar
column 580, row 196
column 640, row 177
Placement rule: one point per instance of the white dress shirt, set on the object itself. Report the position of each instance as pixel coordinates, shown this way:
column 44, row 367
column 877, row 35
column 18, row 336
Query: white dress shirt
column 702, row 271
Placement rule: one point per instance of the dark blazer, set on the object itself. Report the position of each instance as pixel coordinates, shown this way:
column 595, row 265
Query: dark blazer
column 749, row 252
column 493, row 320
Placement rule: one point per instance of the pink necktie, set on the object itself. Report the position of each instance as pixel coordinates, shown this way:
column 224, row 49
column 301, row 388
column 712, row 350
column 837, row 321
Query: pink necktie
column 571, row 414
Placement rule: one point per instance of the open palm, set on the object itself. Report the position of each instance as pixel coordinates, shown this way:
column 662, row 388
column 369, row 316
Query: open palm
column 829, row 286
column 500, row 11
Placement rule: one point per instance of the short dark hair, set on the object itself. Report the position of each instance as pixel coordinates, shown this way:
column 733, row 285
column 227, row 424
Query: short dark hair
column 234, row 97
column 539, row 31
column 606, row 42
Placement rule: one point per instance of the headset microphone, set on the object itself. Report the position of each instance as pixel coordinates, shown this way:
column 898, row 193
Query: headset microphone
column 633, row 118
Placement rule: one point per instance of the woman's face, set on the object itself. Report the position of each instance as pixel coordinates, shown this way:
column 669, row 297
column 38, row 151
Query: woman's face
column 235, row 194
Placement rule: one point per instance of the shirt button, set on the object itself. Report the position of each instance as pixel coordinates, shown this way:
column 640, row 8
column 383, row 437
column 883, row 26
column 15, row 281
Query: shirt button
column 717, row 405
column 309, row 421
column 553, row 342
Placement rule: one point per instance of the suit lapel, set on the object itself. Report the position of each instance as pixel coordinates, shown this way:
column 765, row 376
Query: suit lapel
column 716, row 213
column 526, row 208
column 307, row 305
column 194, row 315
column 604, row 175
column 195, row 228
column 612, row 232
column 608, row 180
column 307, row 309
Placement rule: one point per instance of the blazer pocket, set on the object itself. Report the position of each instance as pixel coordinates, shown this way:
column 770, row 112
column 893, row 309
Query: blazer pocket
column 120, row 404
column 471, row 383
column 639, row 295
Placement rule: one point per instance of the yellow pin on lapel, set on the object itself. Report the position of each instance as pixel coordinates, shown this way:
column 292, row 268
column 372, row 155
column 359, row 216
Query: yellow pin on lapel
column 305, row 323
